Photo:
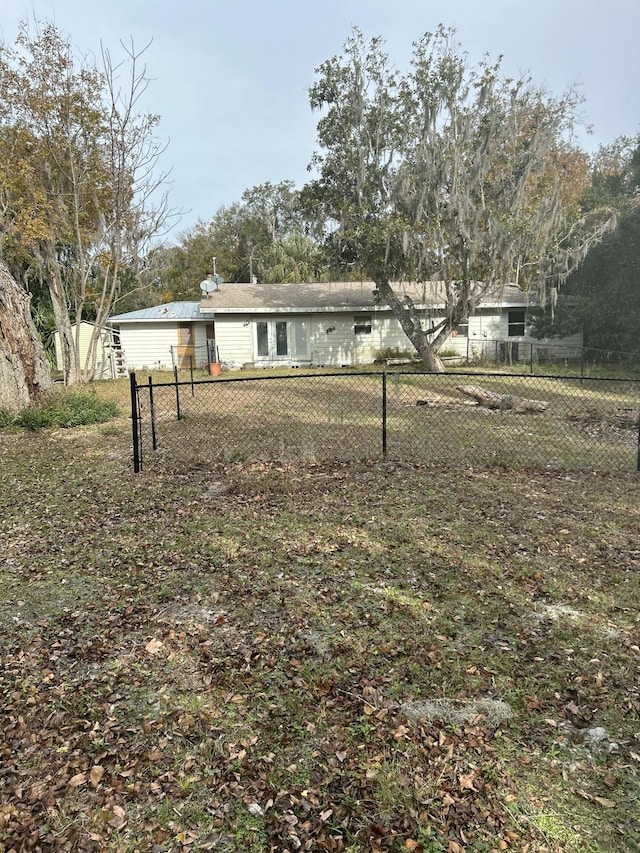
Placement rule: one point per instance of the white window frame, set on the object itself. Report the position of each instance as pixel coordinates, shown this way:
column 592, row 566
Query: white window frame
column 272, row 356
column 362, row 324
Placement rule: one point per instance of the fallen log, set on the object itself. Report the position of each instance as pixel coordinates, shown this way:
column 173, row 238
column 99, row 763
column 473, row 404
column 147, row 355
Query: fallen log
column 503, row 402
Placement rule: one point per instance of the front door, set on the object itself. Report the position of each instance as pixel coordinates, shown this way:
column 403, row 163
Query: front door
column 281, row 340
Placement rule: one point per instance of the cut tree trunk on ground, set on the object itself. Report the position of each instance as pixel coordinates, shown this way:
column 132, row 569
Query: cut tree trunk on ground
column 503, row 402
column 24, row 369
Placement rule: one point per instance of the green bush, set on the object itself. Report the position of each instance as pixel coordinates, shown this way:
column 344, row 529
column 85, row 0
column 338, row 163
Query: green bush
column 68, row 409
column 382, row 355
column 6, row 417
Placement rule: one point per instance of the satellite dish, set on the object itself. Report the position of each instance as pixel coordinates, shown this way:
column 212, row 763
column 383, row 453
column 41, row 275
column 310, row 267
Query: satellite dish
column 208, row 286
column 218, row 279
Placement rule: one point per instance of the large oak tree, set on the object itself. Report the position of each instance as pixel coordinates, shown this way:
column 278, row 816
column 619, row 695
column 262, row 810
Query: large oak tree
column 24, row 370
column 450, row 172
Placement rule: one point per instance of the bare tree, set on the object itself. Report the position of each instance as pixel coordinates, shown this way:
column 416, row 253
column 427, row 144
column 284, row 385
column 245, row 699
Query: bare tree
column 90, row 192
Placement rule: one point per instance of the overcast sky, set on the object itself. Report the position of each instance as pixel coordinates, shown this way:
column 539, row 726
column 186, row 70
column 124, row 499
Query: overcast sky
column 231, row 77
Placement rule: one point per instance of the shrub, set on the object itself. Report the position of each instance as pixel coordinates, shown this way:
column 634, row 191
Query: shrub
column 68, row 409
column 382, row 355
column 6, row 417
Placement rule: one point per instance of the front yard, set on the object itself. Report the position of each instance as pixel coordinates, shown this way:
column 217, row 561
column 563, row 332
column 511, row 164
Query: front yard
column 352, row 656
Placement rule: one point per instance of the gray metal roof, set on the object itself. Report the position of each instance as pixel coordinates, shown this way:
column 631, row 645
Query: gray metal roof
column 170, row 311
column 334, row 296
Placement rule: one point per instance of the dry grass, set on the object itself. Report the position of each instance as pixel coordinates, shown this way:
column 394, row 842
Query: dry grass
column 232, row 657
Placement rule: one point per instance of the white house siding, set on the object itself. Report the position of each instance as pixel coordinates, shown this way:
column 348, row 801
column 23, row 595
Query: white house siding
column 147, row 346
column 333, row 341
column 234, row 339
column 104, row 367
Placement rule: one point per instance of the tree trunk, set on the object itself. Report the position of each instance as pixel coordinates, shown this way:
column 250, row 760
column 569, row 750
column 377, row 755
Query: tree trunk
column 24, row 369
column 412, row 328
column 504, row 402
column 59, row 303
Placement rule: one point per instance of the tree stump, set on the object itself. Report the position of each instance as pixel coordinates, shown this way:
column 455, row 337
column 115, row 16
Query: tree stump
column 503, row 402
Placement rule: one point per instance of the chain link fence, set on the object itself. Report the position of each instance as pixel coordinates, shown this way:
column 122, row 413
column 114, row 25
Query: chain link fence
column 527, row 356
column 458, row 419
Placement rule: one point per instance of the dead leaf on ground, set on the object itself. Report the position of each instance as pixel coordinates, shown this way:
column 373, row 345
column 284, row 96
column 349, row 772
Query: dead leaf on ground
column 606, row 804
column 119, row 818
column 153, row 647
column 96, row 774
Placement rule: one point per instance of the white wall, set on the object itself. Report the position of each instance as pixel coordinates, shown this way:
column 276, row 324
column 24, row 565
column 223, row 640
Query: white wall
column 334, row 342
column 234, row 339
column 147, row 346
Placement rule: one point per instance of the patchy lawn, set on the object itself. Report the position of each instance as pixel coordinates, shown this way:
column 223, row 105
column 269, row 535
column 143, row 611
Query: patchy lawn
column 338, row 657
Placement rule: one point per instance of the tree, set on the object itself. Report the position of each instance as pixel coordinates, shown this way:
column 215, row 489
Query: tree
column 269, row 228
column 294, row 258
column 24, row 370
column 265, row 236
column 449, row 172
column 78, row 184
column 606, row 286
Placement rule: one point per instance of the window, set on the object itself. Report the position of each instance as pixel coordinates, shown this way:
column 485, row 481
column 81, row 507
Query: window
column 461, row 331
column 282, row 338
column 300, row 338
column 516, row 324
column 262, row 335
column 362, row 324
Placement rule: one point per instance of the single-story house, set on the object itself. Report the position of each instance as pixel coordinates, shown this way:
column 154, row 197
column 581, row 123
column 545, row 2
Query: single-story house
column 109, row 356
column 310, row 324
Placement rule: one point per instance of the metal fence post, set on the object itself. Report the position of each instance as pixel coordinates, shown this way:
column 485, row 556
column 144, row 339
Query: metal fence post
column 135, row 421
column 193, row 390
column 384, row 414
column 175, row 379
column 152, row 410
column 638, row 461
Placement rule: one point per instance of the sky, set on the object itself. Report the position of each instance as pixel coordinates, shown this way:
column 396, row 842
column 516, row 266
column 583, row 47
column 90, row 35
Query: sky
column 230, row 78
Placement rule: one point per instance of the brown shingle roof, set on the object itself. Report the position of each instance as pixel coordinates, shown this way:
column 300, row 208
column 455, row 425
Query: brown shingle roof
column 333, row 296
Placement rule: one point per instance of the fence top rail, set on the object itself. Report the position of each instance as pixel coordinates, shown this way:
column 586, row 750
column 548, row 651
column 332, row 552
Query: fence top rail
column 371, row 373
column 223, row 379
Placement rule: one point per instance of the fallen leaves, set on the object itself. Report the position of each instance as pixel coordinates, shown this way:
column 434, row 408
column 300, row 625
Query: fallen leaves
column 466, row 781
column 260, row 686
column 153, row 646
column 77, row 780
column 118, row 818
